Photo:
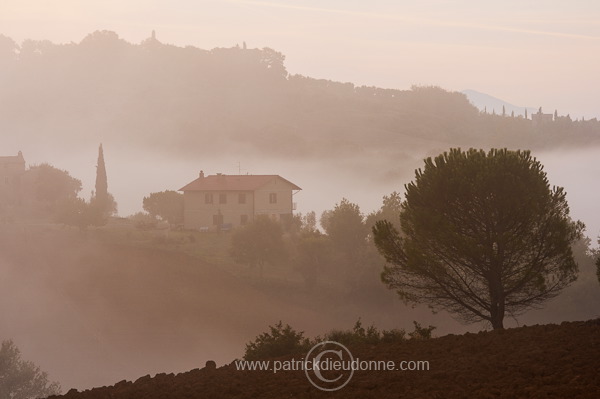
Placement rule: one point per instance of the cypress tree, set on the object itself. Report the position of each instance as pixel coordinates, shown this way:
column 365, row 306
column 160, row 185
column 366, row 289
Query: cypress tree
column 102, row 203
column 101, row 180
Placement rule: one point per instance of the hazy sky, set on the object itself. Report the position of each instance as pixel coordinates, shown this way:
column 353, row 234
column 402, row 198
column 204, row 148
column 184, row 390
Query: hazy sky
column 530, row 53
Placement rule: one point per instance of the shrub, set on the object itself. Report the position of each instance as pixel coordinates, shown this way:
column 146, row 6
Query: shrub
column 20, row 378
column 280, row 341
column 371, row 335
column 421, row 332
column 143, row 221
column 284, row 340
column 357, row 335
column 394, row 335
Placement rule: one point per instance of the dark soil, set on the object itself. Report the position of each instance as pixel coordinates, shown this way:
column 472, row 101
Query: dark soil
column 542, row 361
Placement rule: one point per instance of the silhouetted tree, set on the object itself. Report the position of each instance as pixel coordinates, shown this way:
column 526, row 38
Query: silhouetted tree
column 598, row 264
column 303, row 223
column 312, row 254
column 49, row 184
column 309, row 222
column 102, row 43
column 168, row 205
column 274, row 62
column 258, row 243
column 74, row 212
column 44, row 189
column 352, row 254
column 20, row 379
column 102, row 204
column 33, row 50
column 390, row 210
column 483, row 235
column 8, row 49
column 101, row 179
column 345, row 226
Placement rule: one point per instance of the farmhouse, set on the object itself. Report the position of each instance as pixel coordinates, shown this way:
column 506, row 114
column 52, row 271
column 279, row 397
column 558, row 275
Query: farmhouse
column 11, row 170
column 224, row 201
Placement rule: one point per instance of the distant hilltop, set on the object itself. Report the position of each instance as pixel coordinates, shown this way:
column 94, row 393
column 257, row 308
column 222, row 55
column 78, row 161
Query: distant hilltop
column 485, row 102
column 191, row 102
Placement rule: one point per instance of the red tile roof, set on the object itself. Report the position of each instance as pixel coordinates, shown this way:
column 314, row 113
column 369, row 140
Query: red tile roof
column 13, row 158
column 233, row 183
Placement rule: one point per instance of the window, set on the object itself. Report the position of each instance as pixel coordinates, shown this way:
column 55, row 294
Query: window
column 244, row 219
column 217, row 220
column 242, row 198
column 222, row 198
column 273, row 198
column 208, row 198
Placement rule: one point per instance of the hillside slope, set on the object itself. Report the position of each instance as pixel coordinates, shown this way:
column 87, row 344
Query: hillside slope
column 187, row 102
column 91, row 311
column 542, row 361
column 117, row 311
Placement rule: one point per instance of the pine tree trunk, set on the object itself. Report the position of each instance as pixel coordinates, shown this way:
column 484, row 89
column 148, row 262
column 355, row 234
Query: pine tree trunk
column 497, row 322
column 497, row 315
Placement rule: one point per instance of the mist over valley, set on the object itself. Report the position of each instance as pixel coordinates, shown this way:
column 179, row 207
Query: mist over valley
column 97, row 305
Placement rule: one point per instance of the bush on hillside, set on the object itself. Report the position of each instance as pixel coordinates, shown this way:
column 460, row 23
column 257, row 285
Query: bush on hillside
column 284, row 340
column 279, row 341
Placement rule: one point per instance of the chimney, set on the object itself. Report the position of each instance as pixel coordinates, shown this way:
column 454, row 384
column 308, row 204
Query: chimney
column 201, row 174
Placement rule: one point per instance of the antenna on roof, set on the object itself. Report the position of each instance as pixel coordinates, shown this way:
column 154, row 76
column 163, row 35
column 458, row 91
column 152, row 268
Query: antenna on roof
column 239, row 166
